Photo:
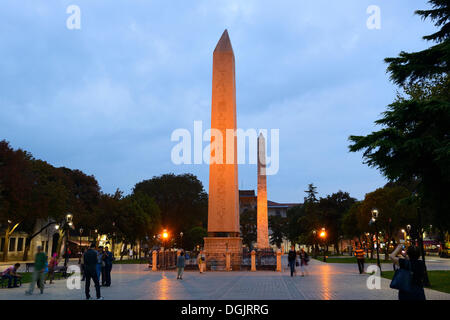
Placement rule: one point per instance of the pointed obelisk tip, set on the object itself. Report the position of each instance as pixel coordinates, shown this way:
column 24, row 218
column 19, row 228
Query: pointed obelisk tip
column 224, row 43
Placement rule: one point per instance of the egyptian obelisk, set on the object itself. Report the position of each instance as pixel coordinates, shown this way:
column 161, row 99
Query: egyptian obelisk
column 262, row 225
column 223, row 202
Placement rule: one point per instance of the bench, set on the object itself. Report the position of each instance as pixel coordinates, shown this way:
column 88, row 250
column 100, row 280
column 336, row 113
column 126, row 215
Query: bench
column 60, row 272
column 28, row 266
column 4, row 281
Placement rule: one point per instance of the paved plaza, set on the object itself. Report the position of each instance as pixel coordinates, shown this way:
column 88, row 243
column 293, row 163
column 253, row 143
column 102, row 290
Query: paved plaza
column 324, row 282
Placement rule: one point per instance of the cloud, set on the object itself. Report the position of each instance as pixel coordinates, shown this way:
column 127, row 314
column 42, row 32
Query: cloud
column 106, row 98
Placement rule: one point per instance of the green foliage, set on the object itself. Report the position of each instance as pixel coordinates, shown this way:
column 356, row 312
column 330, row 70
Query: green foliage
column 194, row 237
column 181, row 198
column 295, row 226
column 414, row 141
column 248, row 227
column 278, row 226
column 139, row 217
column 350, row 227
column 411, row 67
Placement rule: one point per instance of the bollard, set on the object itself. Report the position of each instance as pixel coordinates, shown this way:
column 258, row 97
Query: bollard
column 228, row 261
column 154, row 260
column 253, row 261
column 278, row 260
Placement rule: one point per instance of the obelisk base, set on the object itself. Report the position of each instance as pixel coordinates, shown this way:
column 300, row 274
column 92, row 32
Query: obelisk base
column 215, row 251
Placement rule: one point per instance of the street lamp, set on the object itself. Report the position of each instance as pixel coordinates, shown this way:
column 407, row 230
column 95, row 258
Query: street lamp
column 81, row 232
column 323, row 235
column 181, row 239
column 420, row 236
column 315, row 243
column 373, row 221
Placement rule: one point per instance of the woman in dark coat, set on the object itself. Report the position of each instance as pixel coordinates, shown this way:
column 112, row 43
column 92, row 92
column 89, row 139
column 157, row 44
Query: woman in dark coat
column 411, row 263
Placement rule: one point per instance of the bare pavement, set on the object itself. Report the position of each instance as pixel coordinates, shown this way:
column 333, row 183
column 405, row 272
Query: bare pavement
column 323, row 282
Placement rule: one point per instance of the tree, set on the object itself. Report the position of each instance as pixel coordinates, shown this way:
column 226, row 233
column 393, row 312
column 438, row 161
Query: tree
column 294, row 227
column 139, row 217
column 433, row 61
column 194, row 237
column 393, row 213
column 277, row 225
column 50, row 200
column 311, row 194
column 414, row 143
column 331, row 211
column 248, row 227
column 350, row 226
column 181, row 198
column 17, row 179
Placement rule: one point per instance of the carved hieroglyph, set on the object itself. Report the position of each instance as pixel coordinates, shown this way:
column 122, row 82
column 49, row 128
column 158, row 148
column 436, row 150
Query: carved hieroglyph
column 223, row 206
column 262, row 218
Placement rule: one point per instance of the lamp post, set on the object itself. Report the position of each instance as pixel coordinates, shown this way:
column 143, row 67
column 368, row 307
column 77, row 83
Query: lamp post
column 165, row 236
column 323, row 235
column 374, row 222
column 315, row 244
column 420, row 235
column 181, row 239
column 81, row 232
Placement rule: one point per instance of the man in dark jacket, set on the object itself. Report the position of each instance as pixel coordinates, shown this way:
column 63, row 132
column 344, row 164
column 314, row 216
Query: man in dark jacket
column 108, row 258
column 90, row 266
column 292, row 256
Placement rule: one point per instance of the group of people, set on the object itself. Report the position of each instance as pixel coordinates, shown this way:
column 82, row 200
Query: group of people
column 96, row 264
column 181, row 263
column 298, row 259
column 41, row 268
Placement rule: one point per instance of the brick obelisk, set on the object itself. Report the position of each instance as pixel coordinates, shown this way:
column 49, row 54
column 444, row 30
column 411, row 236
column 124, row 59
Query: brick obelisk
column 223, row 203
column 262, row 218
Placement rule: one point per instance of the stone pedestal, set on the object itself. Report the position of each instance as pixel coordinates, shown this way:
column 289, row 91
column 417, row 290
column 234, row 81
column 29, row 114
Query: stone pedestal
column 216, row 249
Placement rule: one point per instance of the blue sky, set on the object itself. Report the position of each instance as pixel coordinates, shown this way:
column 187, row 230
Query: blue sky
column 106, row 98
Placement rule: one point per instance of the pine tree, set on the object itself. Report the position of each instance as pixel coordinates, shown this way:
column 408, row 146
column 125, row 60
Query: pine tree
column 433, row 61
column 414, row 143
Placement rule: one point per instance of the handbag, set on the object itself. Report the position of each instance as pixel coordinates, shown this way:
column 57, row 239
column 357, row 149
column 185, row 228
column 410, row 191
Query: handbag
column 297, row 263
column 402, row 279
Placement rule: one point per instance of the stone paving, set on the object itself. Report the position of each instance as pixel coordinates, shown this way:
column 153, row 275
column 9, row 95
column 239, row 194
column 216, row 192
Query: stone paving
column 138, row 282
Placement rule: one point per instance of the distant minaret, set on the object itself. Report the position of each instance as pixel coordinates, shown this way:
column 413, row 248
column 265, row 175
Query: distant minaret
column 262, row 220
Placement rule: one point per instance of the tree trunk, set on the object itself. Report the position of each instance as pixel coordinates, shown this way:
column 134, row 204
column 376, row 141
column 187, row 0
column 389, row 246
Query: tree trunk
column 9, row 231
column 6, row 245
column 386, row 249
column 60, row 241
column 27, row 248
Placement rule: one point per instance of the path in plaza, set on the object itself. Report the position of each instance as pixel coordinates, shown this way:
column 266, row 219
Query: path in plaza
column 136, row 282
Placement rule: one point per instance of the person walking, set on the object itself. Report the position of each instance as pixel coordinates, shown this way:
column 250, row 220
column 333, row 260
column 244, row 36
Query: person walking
column 40, row 263
column 304, row 259
column 98, row 268
column 12, row 275
column 416, row 268
column 292, row 256
column 90, row 271
column 180, row 265
column 108, row 259
column 201, row 261
column 52, row 267
column 359, row 254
